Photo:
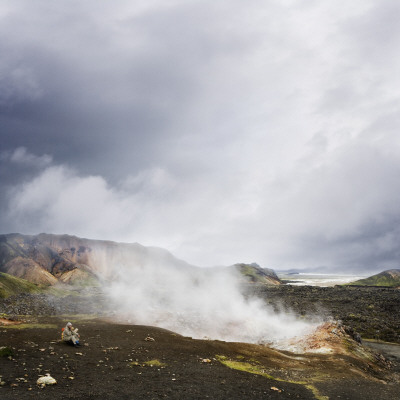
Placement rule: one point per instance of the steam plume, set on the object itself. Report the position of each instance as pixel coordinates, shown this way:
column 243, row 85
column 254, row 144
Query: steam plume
column 197, row 302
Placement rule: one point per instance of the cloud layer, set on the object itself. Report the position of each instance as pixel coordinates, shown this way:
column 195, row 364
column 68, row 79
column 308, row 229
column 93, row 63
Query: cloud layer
column 223, row 132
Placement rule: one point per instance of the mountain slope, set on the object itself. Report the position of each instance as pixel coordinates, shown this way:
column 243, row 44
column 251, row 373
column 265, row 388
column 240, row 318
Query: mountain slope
column 29, row 270
column 10, row 285
column 48, row 259
column 255, row 274
column 389, row 278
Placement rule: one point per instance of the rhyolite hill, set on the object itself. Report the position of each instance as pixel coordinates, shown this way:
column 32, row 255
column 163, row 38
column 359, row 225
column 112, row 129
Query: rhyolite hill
column 48, row 259
column 388, row 278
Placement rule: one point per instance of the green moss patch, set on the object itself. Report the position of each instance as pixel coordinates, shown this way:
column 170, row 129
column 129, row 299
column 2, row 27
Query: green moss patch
column 155, row 363
column 150, row 363
column 260, row 370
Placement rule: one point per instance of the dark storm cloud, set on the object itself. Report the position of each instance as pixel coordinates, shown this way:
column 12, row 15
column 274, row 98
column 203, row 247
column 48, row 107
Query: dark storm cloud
column 78, row 113
column 97, row 85
column 222, row 131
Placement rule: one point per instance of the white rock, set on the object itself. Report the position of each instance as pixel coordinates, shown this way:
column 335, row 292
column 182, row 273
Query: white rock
column 46, row 380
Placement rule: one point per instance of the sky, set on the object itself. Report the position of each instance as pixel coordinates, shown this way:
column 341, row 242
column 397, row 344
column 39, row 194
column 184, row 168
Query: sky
column 225, row 132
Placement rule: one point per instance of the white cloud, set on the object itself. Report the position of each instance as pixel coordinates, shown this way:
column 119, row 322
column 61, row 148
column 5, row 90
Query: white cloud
column 58, row 200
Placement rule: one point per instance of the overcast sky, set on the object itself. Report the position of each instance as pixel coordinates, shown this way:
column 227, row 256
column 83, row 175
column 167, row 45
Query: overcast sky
column 223, row 131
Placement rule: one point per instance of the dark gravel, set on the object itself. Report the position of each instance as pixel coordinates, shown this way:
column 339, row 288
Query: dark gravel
column 371, row 311
column 115, row 362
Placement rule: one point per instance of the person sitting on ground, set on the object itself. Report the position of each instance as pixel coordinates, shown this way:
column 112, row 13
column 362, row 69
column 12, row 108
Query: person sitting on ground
column 71, row 335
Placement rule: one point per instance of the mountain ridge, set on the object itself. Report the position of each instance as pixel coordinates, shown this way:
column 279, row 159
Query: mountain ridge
column 48, row 259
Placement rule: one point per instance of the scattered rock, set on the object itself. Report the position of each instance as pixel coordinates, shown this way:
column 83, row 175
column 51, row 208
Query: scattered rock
column 46, row 380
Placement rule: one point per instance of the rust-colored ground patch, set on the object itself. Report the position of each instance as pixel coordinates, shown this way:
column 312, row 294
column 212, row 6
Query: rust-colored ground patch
column 4, row 321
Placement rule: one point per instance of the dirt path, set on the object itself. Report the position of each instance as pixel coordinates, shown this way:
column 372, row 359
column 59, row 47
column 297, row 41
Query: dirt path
column 137, row 362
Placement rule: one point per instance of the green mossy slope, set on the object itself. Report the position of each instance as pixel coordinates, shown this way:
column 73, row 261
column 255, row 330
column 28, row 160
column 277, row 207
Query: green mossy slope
column 255, row 274
column 10, row 285
column 389, row 278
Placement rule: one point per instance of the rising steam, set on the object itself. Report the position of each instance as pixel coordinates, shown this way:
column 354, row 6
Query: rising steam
column 196, row 302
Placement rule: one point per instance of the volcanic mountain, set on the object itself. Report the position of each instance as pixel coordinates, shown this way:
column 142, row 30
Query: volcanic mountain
column 47, row 259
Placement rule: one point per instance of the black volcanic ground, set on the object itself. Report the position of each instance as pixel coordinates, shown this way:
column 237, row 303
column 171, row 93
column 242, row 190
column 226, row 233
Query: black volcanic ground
column 374, row 312
column 118, row 362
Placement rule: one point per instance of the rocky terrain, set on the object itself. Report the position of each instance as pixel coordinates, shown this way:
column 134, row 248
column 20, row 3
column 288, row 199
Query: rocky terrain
column 120, row 361
column 127, row 361
column 371, row 311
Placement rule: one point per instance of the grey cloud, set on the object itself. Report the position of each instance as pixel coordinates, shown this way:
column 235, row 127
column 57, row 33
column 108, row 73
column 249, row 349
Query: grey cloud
column 345, row 212
column 222, row 131
column 121, row 98
column 86, row 101
column 374, row 247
